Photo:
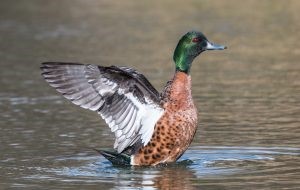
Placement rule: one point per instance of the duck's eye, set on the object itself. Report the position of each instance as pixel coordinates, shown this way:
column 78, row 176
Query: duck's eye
column 196, row 40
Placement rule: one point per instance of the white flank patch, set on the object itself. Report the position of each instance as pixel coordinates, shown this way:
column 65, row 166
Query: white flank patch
column 132, row 160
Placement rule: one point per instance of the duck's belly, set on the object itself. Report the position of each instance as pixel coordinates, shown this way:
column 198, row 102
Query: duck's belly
column 172, row 135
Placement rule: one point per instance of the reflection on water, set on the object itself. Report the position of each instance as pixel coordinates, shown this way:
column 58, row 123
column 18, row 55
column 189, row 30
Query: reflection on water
column 200, row 164
column 248, row 95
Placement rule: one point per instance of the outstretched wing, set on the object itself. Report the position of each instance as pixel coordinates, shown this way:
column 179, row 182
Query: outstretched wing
column 124, row 98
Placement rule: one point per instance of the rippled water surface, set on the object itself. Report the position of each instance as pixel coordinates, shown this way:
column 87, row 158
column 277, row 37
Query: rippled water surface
column 248, row 96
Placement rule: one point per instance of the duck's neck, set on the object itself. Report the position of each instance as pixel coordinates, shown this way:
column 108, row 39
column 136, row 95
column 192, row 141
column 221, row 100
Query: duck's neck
column 183, row 61
column 180, row 91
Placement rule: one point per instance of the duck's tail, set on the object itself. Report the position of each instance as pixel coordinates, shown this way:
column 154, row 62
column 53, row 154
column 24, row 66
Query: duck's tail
column 115, row 158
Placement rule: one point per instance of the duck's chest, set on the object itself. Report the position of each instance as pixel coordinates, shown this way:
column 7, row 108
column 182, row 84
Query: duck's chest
column 175, row 130
column 177, row 96
column 180, row 117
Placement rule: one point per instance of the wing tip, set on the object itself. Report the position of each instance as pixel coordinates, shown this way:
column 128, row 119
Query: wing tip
column 49, row 64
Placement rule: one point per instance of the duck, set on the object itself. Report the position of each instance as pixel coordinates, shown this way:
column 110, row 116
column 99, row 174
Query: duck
column 150, row 128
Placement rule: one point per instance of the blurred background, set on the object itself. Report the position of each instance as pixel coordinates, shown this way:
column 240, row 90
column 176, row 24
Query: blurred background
column 248, row 96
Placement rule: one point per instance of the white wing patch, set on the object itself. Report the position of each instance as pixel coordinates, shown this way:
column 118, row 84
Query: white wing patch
column 148, row 115
column 133, row 121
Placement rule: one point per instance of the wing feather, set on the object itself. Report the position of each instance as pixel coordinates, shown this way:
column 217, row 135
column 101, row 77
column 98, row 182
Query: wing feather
column 120, row 113
column 123, row 97
column 131, row 122
column 127, row 119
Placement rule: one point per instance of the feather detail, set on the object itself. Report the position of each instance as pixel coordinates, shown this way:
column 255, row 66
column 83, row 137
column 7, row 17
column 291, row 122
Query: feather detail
column 123, row 97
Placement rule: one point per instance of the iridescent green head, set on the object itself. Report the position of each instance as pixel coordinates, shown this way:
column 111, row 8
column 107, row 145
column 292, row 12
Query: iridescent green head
column 189, row 47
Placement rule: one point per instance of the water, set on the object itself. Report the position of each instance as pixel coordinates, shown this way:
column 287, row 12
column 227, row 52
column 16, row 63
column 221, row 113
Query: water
column 247, row 95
